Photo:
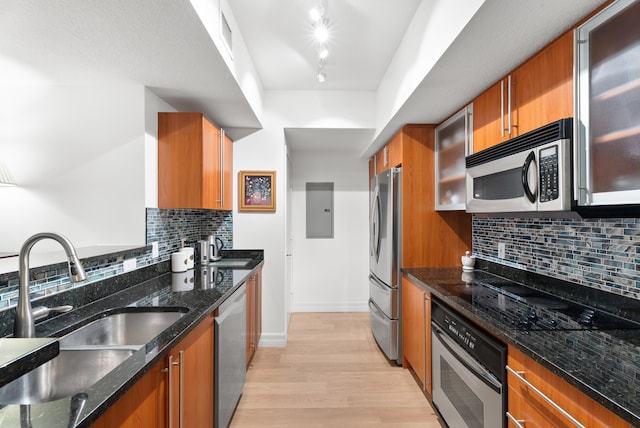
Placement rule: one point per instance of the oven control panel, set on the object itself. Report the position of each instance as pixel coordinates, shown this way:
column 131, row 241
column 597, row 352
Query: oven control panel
column 487, row 350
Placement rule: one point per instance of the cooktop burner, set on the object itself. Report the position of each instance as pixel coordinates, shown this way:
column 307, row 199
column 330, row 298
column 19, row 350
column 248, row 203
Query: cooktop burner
column 525, row 308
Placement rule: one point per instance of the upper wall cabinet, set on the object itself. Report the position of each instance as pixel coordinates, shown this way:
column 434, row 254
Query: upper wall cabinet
column 454, row 139
column 390, row 156
column 195, row 161
column 537, row 93
column 608, row 106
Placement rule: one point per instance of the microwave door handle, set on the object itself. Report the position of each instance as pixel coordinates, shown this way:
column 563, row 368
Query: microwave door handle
column 526, row 184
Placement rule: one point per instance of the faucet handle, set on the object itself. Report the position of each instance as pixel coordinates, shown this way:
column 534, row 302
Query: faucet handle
column 40, row 312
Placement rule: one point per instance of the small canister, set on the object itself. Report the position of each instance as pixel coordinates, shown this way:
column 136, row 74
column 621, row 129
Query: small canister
column 189, row 251
column 179, row 262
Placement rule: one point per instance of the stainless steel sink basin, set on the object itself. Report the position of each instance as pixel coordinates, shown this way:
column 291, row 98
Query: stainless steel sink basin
column 87, row 354
column 133, row 329
column 231, row 263
column 67, row 374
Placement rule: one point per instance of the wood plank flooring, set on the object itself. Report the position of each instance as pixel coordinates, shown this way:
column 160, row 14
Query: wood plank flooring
column 331, row 374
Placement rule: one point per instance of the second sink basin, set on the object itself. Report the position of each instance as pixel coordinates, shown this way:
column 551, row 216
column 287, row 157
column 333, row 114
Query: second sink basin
column 238, row 263
column 121, row 329
column 67, row 374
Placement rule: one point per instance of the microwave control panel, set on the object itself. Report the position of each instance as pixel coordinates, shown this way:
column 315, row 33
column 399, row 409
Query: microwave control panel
column 549, row 184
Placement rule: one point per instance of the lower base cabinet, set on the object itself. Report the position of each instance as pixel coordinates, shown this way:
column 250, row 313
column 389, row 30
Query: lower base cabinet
column 254, row 313
column 527, row 407
column 179, row 388
column 416, row 331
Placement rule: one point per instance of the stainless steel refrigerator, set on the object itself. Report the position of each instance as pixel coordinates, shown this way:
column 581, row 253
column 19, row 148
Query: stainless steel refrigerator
column 385, row 225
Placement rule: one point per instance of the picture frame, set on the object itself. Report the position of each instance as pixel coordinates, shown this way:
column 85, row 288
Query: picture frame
column 257, row 191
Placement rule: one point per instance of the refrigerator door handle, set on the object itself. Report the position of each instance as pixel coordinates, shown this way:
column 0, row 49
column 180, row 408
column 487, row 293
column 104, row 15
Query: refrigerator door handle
column 375, row 226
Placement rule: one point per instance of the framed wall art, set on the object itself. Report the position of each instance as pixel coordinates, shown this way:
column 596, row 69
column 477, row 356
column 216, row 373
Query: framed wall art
column 257, row 191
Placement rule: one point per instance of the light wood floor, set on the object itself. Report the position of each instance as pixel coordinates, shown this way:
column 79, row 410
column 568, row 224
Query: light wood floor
column 331, row 374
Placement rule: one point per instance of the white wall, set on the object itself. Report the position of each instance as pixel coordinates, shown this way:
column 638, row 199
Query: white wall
column 330, row 275
column 152, row 105
column 77, row 154
column 266, row 150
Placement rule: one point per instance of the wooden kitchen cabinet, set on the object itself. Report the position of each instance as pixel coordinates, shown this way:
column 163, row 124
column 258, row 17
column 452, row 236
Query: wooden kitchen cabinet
column 416, row 331
column 390, row 156
column 538, row 92
column 532, row 410
column 195, row 162
column 149, row 402
column 430, row 238
column 454, row 140
column 193, row 377
column 254, row 313
column 144, row 404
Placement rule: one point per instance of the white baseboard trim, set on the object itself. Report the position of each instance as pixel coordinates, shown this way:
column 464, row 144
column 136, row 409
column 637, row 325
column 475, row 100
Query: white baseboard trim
column 330, row 307
column 273, row 340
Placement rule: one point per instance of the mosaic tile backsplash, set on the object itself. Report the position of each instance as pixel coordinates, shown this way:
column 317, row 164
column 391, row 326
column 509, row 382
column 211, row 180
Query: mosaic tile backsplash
column 169, row 227
column 598, row 253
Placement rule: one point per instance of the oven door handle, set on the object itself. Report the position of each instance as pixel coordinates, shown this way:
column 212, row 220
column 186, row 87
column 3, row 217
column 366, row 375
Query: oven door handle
column 465, row 359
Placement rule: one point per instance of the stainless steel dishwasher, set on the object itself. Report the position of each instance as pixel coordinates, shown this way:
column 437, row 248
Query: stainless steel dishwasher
column 230, row 355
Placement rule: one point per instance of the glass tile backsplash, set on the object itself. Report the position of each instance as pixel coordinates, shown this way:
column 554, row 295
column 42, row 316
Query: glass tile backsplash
column 168, row 227
column 598, row 253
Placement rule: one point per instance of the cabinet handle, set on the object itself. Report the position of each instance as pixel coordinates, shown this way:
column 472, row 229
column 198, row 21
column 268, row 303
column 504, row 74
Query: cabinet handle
column 170, row 395
column 520, row 377
column 222, row 135
column 502, row 108
column 518, row 423
column 181, row 398
column 385, row 157
column 509, row 104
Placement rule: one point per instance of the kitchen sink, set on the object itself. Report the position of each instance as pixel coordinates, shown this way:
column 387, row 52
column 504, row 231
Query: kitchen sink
column 238, row 263
column 133, row 329
column 67, row 374
column 89, row 353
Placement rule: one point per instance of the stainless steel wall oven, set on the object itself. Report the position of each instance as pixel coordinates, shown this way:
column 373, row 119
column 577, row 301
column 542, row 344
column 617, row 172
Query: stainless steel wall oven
column 469, row 377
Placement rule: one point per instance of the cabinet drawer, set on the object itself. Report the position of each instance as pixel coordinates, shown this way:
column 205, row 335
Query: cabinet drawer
column 581, row 407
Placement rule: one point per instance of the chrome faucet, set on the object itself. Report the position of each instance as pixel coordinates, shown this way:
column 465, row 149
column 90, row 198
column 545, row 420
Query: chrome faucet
column 24, row 324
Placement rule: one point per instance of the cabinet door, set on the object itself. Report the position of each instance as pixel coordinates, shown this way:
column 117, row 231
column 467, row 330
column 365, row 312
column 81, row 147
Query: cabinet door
column 193, row 377
column 211, row 166
column 453, row 140
column 542, row 87
column 413, row 328
column 258, row 311
column 143, row 405
column 394, row 151
column 226, row 200
column 180, row 160
column 489, row 118
column 254, row 313
column 194, row 163
column 608, row 107
column 528, row 406
column 428, row 380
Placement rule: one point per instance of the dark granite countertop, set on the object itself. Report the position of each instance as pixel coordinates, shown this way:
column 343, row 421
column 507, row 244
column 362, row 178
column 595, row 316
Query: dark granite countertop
column 18, row 356
column 201, row 294
column 604, row 364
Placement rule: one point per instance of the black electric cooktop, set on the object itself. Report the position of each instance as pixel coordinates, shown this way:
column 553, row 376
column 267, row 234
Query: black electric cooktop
column 524, row 308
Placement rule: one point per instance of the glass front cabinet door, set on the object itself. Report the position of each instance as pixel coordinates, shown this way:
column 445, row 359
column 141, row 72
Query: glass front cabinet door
column 608, row 107
column 454, row 139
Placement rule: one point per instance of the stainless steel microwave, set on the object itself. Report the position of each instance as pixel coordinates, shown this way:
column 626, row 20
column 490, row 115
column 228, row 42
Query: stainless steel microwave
column 529, row 173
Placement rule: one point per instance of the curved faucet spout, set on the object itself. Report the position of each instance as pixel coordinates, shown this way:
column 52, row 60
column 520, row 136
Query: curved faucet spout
column 24, row 325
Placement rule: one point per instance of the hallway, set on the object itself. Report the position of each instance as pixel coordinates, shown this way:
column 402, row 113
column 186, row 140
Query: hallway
column 331, row 374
